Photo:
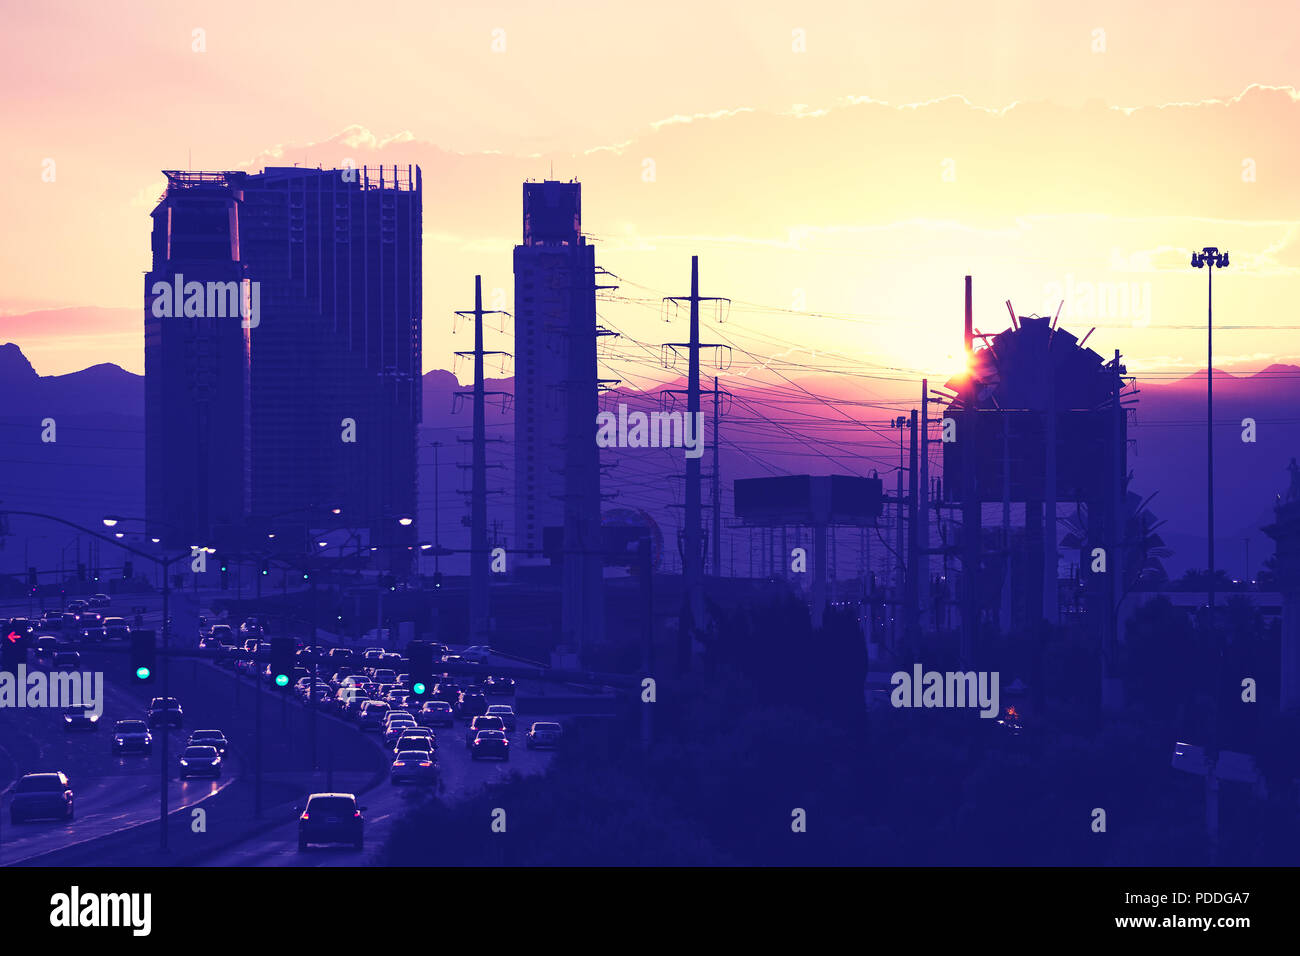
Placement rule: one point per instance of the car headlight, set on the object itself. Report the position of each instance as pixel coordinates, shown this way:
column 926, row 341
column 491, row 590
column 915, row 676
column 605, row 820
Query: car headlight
column 215, row 761
column 184, row 763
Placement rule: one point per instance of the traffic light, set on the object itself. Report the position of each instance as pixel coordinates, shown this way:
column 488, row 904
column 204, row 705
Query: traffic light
column 31, row 578
column 144, row 657
column 128, row 569
column 420, row 656
column 266, row 567
column 283, row 650
column 437, row 579
column 390, row 582
column 225, row 577
column 81, row 572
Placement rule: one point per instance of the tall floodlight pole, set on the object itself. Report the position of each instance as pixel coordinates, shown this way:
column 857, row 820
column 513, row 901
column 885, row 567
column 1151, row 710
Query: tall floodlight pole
column 1210, row 258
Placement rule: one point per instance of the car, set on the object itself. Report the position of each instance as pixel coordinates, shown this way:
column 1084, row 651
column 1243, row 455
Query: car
column 65, row 661
column 470, row 705
column 351, row 708
column 100, row 600
column 21, row 625
column 87, row 619
column 42, row 795
column 395, row 729
column 505, row 712
column 416, row 738
column 482, row 722
column 250, row 628
column 447, row 691
column 435, row 713
column 417, row 766
column 224, row 633
column 165, row 711
column 499, row 687
column 478, row 653
column 116, row 628
column 132, row 736
column 200, row 761
column 385, row 675
column 340, row 655
column 80, row 718
column 46, row 648
column 490, row 743
column 93, row 635
column 209, row 738
column 331, row 818
column 77, row 605
column 543, row 733
column 371, row 714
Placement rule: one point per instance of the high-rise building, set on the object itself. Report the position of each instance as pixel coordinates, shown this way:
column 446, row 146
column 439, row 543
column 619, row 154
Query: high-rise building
column 557, row 466
column 550, row 266
column 333, row 259
column 196, row 358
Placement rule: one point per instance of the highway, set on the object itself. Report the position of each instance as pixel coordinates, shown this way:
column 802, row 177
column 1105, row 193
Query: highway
column 113, row 794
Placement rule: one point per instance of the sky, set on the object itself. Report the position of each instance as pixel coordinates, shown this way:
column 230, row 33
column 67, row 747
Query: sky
column 837, row 167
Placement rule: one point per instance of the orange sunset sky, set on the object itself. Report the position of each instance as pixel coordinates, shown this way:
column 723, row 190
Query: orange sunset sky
column 838, row 167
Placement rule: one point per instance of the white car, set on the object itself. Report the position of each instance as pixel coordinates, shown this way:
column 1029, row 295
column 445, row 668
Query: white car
column 477, row 653
column 505, row 712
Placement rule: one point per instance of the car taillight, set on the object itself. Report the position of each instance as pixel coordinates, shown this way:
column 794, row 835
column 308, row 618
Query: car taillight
column 357, row 814
column 425, row 763
column 399, row 763
column 304, row 816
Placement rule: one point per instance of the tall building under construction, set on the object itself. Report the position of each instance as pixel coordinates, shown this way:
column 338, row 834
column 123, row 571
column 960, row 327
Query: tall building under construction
column 557, row 467
column 331, row 360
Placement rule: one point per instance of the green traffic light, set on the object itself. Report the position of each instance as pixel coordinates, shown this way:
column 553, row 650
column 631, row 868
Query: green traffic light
column 142, row 673
column 281, row 680
column 418, row 687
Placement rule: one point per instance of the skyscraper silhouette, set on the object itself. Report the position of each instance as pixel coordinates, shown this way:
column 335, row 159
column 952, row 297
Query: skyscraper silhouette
column 557, row 467
column 332, row 359
column 196, row 365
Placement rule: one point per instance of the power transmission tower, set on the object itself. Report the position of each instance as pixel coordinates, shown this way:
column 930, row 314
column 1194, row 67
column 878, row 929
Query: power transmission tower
column 480, row 554
column 693, row 552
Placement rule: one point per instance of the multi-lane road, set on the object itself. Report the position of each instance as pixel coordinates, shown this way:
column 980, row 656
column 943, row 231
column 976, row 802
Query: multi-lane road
column 115, row 794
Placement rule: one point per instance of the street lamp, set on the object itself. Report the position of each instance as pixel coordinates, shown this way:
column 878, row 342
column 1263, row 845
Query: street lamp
column 1209, row 258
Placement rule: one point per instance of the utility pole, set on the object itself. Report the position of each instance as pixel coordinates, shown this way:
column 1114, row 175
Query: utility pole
column 1115, row 545
column 692, row 553
column 970, row 506
column 437, row 509
column 900, row 569
column 480, row 556
column 923, row 506
column 912, row 617
column 717, row 494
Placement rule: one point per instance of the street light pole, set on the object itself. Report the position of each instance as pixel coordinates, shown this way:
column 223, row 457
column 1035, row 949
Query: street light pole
column 166, row 669
column 1210, row 258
